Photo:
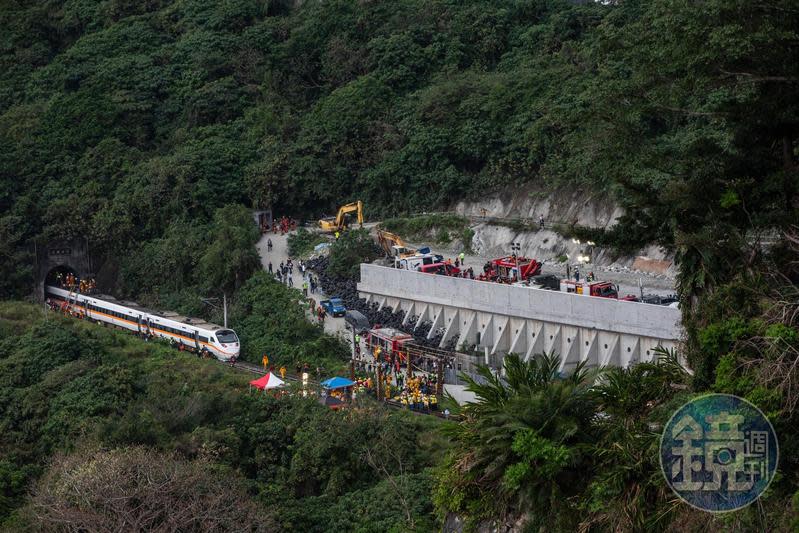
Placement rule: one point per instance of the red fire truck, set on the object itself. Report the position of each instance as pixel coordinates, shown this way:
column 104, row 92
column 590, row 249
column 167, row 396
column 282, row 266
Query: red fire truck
column 506, row 269
column 601, row 289
column 387, row 343
column 442, row 269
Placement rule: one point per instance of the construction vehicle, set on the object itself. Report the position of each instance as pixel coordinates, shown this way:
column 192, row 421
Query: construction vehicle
column 510, row 269
column 340, row 221
column 393, row 245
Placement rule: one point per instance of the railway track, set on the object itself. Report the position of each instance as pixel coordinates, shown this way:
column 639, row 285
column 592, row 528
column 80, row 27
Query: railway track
column 255, row 369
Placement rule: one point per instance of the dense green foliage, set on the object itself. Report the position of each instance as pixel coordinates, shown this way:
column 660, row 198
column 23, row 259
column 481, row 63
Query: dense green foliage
column 147, row 127
column 119, row 119
column 352, row 248
column 580, row 453
column 209, row 258
column 437, row 228
column 302, row 242
column 271, row 319
column 69, row 386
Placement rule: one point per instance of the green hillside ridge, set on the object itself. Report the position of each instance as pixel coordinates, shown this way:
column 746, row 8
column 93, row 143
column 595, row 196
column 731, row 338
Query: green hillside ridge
column 153, row 128
column 122, row 121
column 73, row 392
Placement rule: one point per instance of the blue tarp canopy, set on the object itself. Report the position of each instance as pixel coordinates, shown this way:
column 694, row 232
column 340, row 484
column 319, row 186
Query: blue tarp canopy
column 337, row 383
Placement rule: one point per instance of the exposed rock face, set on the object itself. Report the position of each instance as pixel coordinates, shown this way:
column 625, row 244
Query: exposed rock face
column 559, row 207
column 564, row 206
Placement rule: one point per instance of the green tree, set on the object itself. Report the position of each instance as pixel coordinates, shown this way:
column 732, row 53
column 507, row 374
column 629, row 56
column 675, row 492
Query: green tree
column 230, row 257
column 521, row 447
column 353, row 247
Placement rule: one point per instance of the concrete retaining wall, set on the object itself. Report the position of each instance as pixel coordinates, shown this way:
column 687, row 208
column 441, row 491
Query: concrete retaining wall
column 549, row 306
column 502, row 318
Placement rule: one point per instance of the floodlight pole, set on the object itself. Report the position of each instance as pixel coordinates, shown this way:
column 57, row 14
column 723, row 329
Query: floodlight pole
column 516, row 248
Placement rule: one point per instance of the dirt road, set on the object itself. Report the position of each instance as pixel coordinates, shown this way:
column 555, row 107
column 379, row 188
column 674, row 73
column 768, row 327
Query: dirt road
column 279, row 253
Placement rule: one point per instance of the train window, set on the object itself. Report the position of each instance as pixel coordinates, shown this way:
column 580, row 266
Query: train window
column 203, row 339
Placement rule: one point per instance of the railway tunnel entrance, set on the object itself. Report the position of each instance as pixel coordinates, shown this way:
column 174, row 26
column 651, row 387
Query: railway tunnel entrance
column 57, row 275
column 60, row 258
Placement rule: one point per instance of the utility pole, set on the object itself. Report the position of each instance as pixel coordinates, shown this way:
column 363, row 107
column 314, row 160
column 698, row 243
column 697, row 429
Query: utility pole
column 352, row 359
column 379, row 384
column 213, row 302
column 440, row 379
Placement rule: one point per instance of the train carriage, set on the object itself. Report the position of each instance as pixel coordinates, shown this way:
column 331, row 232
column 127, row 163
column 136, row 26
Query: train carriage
column 192, row 333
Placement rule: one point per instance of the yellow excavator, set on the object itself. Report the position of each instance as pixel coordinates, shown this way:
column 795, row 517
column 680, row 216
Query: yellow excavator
column 339, row 222
column 393, row 245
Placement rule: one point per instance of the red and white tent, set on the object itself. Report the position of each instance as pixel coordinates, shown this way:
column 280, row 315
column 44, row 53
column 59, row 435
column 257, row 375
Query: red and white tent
column 269, row 381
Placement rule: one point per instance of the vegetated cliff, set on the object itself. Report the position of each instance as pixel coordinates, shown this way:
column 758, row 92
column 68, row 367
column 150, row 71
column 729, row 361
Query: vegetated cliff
column 513, row 216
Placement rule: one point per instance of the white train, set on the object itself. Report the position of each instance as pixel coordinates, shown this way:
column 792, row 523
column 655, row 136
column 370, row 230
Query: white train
column 193, row 333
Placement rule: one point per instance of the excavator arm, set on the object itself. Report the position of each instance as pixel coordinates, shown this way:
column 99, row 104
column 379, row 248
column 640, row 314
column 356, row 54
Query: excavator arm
column 338, row 223
column 388, row 240
column 393, row 245
column 354, row 207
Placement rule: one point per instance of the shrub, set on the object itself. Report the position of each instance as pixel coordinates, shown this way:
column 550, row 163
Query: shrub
column 349, row 251
column 302, row 242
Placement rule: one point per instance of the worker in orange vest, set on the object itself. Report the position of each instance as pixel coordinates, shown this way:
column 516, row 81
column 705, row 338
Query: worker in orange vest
column 265, row 361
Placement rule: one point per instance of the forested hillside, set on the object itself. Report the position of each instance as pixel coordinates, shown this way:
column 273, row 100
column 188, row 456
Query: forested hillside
column 103, row 431
column 123, row 120
column 152, row 127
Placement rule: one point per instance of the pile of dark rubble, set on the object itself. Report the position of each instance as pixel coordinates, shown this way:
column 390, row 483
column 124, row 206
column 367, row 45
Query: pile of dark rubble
column 346, row 289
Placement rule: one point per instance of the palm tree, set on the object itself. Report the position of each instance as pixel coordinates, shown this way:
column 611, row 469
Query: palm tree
column 629, row 486
column 521, row 445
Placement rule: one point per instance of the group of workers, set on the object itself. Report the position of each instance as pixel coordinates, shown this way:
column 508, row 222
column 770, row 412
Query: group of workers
column 284, row 225
column 589, row 278
column 285, row 274
column 271, row 368
column 66, row 308
column 417, row 392
column 73, row 283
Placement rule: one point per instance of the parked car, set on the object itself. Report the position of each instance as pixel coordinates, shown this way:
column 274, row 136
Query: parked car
column 334, row 307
